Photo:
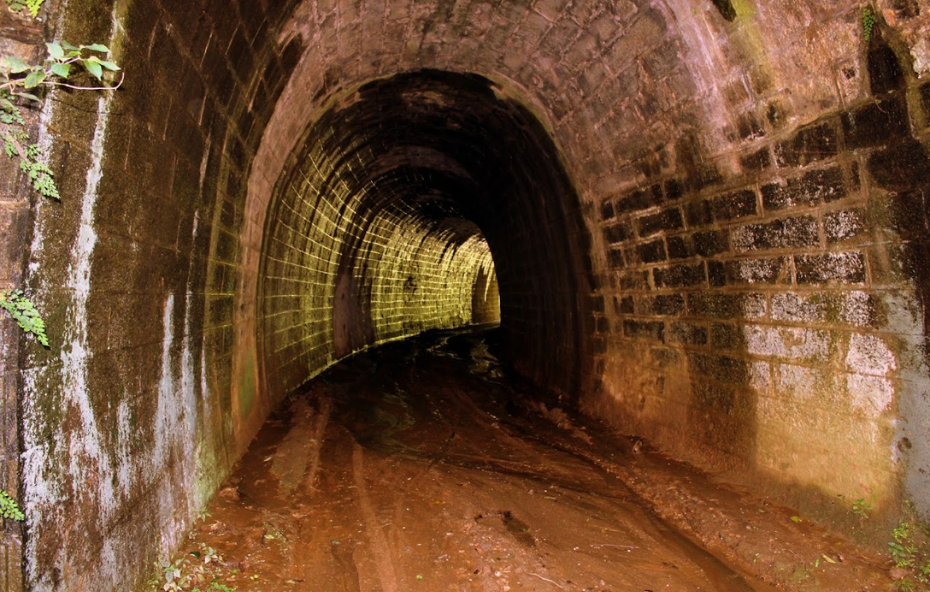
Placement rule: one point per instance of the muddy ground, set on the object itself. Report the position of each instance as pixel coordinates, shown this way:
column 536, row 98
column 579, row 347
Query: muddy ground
column 418, row 466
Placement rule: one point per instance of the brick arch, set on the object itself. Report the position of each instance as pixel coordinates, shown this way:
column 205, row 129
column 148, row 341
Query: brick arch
column 386, row 226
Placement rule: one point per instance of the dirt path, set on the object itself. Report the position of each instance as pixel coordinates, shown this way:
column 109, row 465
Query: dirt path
column 417, row 467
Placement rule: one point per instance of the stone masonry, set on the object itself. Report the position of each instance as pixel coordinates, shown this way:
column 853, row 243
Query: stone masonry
column 701, row 221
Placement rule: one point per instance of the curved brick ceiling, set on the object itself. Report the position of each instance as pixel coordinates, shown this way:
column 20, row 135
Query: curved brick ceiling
column 397, row 199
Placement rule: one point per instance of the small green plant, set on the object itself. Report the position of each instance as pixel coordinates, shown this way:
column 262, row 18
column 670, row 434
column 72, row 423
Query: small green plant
column 8, row 508
column 861, row 508
column 19, row 81
column 911, row 554
column 869, row 20
column 197, row 571
column 32, row 6
column 24, row 313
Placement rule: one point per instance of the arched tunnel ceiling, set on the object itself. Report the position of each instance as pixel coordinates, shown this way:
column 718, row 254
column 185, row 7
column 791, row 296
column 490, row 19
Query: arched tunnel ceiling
column 438, row 144
column 715, row 220
column 442, row 155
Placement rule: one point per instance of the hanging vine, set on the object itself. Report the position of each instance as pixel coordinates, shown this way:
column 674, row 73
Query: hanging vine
column 20, row 83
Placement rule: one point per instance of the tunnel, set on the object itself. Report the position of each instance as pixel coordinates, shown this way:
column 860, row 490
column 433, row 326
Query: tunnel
column 423, row 190
column 700, row 226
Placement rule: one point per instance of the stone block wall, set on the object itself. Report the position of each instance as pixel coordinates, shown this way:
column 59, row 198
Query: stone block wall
column 767, row 312
column 707, row 223
column 127, row 429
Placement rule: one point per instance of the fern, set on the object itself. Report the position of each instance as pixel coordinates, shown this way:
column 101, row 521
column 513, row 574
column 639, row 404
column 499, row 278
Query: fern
column 32, row 6
column 24, row 313
column 9, row 509
column 869, row 20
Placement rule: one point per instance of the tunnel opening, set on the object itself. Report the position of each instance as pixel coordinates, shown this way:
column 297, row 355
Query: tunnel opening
column 424, row 200
column 738, row 287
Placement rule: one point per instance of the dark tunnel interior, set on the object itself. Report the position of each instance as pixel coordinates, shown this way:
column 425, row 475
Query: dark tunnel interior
column 442, row 156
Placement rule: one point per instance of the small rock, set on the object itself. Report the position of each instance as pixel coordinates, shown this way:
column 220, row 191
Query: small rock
column 899, row 573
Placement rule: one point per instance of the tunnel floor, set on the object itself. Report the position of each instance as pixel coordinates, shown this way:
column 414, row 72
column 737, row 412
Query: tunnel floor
column 419, row 466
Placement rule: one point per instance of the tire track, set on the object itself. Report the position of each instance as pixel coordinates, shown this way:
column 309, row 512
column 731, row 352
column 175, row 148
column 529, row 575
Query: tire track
column 379, row 543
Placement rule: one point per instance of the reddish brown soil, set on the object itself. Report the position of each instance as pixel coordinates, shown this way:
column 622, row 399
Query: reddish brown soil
column 416, row 466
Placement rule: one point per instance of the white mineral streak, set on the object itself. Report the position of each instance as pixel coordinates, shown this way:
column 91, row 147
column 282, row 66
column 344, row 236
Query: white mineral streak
column 920, row 52
column 755, row 271
column 57, row 465
column 167, row 413
column 705, row 56
column 38, row 490
column 188, row 376
column 170, row 440
column 87, row 459
column 45, row 145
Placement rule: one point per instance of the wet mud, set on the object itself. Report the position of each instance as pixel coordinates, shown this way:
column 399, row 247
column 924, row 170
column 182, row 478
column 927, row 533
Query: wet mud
column 420, row 466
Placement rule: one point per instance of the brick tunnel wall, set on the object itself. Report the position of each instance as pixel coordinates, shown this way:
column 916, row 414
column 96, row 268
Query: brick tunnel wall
column 767, row 315
column 335, row 281
column 387, row 220
column 732, row 201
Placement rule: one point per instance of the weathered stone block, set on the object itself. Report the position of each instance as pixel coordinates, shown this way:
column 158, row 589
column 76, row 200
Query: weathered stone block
column 757, row 271
column 716, row 274
column 708, row 244
column 727, row 306
column 615, row 259
column 808, row 145
column 901, row 167
column 799, row 231
column 688, row 334
column 650, row 252
column 680, row 247
column 876, row 124
column 626, row 305
column 734, row 205
column 719, row 368
column 673, row 190
column 699, row 213
column 809, row 190
column 727, row 337
column 619, row 232
column 854, row 308
column 846, row 225
column 639, row 199
column 669, row 219
column 747, row 126
column 678, row 276
column 792, row 343
column 756, row 161
column 644, row 330
column 666, row 304
column 846, row 267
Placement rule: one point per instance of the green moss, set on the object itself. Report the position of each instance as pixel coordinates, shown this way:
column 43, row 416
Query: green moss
column 247, row 388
